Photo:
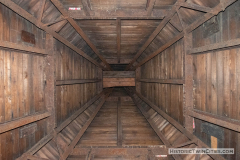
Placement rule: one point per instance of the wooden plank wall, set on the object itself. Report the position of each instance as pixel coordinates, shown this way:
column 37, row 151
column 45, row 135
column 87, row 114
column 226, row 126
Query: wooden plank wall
column 165, row 66
column 216, row 78
column 69, row 66
column 23, row 79
column 21, row 84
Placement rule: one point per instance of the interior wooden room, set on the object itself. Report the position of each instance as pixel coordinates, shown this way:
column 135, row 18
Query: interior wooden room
column 119, row 79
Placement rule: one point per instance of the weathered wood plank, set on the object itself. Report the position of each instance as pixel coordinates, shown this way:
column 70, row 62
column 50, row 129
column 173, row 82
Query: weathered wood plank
column 76, row 81
column 118, row 74
column 119, row 123
column 23, row 121
column 163, row 81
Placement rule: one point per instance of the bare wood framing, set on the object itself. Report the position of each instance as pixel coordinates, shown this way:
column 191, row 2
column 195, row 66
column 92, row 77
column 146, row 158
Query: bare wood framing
column 83, row 129
column 215, row 119
column 76, row 81
column 87, row 7
column 61, row 8
column 162, row 81
column 119, row 13
column 150, row 5
column 119, row 122
column 32, row 19
column 24, row 48
column 194, row 6
column 118, row 39
column 178, row 125
column 40, row 12
column 23, row 121
column 189, row 29
column 216, row 46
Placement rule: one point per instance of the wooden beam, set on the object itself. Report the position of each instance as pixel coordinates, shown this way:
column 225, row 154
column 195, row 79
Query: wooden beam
column 76, row 81
column 194, row 6
column 178, row 125
column 216, row 46
column 22, row 48
column 153, row 35
column 189, row 29
column 116, row 61
column 87, row 7
column 185, row 144
column 118, row 39
column 162, row 81
column 40, row 11
column 64, row 12
column 119, row 123
column 118, row 74
column 150, row 5
column 117, row 82
column 54, row 22
column 215, row 119
column 70, row 148
column 58, row 26
column 13, row 6
column 119, row 13
column 23, row 121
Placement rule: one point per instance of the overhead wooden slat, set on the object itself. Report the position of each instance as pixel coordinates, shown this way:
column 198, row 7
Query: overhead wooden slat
column 118, row 39
column 150, row 5
column 33, row 20
column 119, row 123
column 87, row 7
column 76, row 81
column 61, row 8
column 162, row 81
column 194, row 6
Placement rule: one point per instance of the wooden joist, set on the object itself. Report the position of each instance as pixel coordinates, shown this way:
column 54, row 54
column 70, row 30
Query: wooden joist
column 23, row 121
column 118, row 29
column 64, row 12
column 118, row 74
column 150, row 5
column 162, row 81
column 215, row 46
column 32, row 19
column 194, row 6
column 83, row 129
column 215, row 119
column 22, row 48
column 76, row 81
column 87, row 7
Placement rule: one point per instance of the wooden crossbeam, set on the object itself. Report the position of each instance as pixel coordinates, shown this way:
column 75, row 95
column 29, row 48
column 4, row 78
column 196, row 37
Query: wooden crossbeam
column 64, row 12
column 194, row 6
column 216, row 46
column 83, row 129
column 185, row 144
column 41, row 10
column 119, row 13
column 162, row 81
column 22, row 48
column 23, row 121
column 13, row 6
column 215, row 119
column 76, row 81
column 87, row 7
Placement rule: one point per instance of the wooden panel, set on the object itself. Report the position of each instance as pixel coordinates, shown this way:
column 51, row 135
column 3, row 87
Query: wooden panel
column 114, row 82
column 118, row 74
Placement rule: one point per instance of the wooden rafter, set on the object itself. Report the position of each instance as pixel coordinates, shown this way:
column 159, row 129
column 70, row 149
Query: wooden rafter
column 162, row 81
column 87, row 7
column 64, row 12
column 150, row 5
column 58, row 26
column 40, row 12
column 188, row 29
column 118, row 39
column 194, row 6
column 54, row 22
column 76, row 81
column 154, row 34
column 32, row 19
column 119, row 122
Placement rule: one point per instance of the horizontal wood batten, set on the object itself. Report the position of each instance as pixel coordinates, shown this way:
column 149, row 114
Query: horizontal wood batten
column 215, row 119
column 216, row 46
column 24, row 48
column 163, row 81
column 23, row 121
column 76, row 81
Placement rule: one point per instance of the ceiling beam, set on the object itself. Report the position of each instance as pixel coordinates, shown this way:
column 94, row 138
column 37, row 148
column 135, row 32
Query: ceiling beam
column 118, row 39
column 64, row 12
column 40, row 12
column 119, row 13
column 150, row 5
column 13, row 6
column 188, row 29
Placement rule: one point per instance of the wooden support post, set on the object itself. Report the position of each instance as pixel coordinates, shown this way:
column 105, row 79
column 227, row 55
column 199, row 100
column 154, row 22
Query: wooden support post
column 138, row 76
column 118, row 39
column 50, row 87
column 188, row 86
column 119, row 122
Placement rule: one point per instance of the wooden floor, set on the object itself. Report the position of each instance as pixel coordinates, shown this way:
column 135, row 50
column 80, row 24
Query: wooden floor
column 136, row 131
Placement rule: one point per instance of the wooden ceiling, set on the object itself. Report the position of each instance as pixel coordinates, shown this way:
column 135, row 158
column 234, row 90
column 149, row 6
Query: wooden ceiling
column 122, row 30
